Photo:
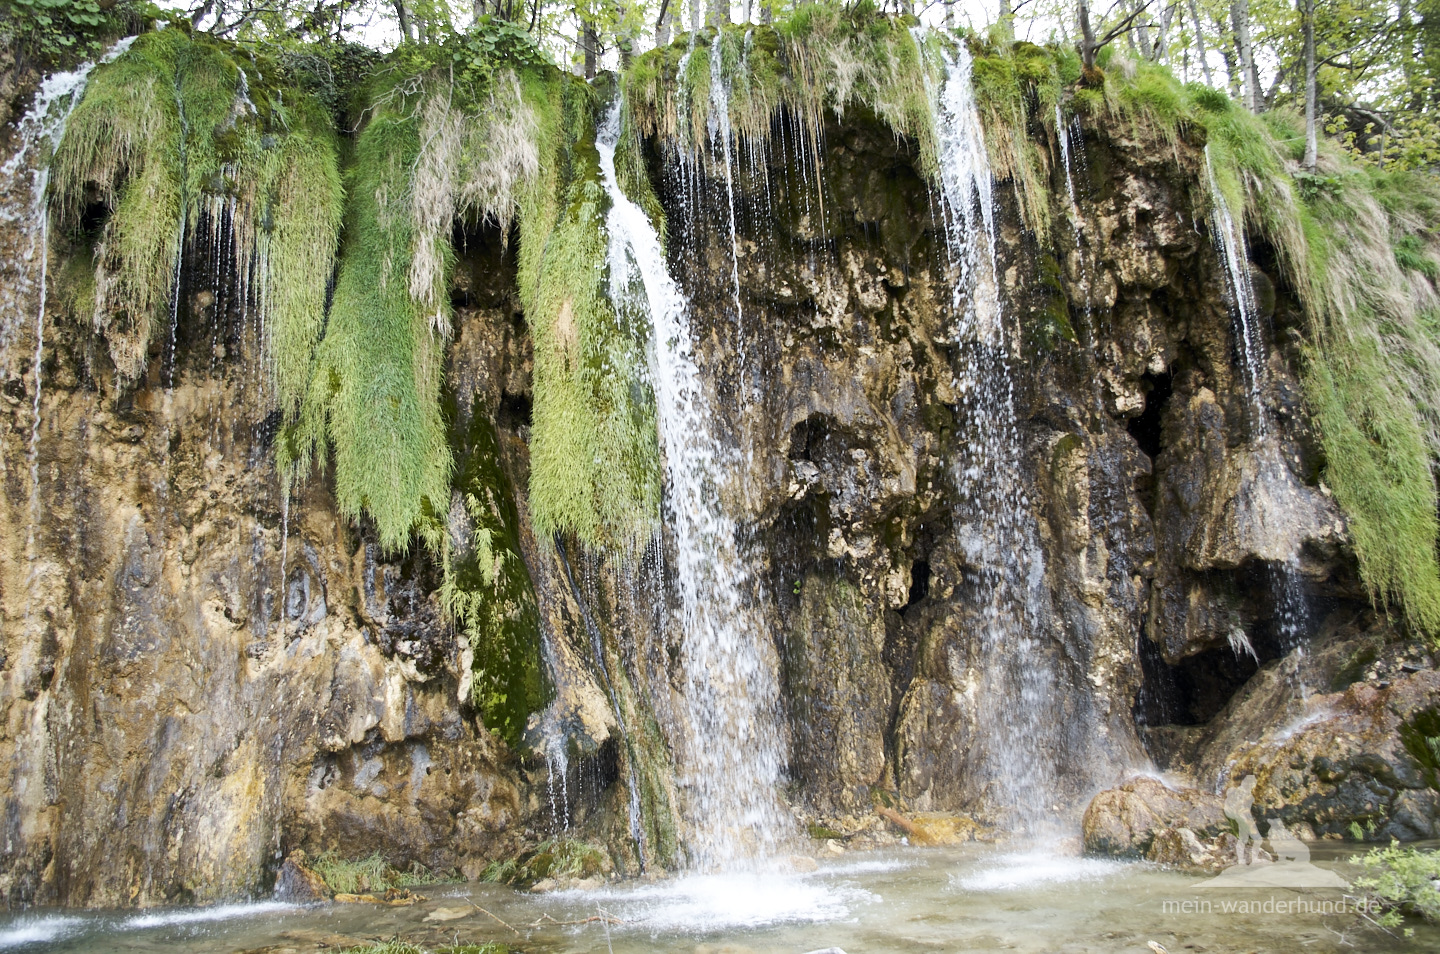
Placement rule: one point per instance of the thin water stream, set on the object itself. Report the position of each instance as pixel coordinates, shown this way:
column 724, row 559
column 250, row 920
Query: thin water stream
column 905, row 901
column 1287, row 587
column 1004, row 574
column 731, row 757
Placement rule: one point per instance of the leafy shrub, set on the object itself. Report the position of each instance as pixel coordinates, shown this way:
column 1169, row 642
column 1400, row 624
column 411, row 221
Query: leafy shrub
column 53, row 29
column 1402, row 881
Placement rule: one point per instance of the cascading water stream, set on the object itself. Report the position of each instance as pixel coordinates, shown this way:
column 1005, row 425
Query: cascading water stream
column 42, row 127
column 721, row 137
column 1230, row 245
column 1292, row 618
column 731, row 756
column 1004, row 572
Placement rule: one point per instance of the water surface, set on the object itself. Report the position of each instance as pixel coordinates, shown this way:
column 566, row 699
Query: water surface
column 972, row 898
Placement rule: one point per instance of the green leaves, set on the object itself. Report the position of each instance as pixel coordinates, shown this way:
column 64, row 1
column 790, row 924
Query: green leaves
column 57, row 28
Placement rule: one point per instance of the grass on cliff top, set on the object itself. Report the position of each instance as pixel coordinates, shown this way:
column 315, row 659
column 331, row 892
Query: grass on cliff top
column 822, row 56
column 180, row 125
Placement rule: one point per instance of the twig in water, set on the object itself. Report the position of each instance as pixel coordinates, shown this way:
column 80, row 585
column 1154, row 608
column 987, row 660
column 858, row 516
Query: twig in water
column 607, row 918
column 493, row 917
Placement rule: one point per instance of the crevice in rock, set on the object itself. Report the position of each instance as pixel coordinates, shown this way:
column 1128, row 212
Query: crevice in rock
column 1193, row 691
column 516, row 411
column 1147, row 429
column 919, row 584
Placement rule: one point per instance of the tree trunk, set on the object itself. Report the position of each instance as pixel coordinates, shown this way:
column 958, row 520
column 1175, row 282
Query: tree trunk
column 1240, row 22
column 1200, row 43
column 592, row 42
column 949, row 14
column 1162, row 33
column 403, row 16
column 1307, row 29
column 1088, row 48
column 663, row 23
column 1229, row 54
column 1142, row 30
column 719, row 13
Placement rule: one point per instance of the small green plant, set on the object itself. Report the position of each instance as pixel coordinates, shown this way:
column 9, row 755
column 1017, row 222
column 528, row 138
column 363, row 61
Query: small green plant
column 552, row 858
column 1421, row 738
column 397, row 946
column 1356, row 831
column 374, row 873
column 1410, row 254
column 1402, row 881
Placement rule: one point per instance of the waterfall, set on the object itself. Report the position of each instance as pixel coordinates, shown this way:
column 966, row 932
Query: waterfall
column 1287, row 589
column 721, row 137
column 1229, row 241
column 731, row 754
column 1004, row 577
column 39, row 132
column 1062, row 133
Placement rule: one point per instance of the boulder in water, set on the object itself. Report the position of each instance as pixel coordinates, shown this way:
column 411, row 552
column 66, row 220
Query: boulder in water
column 299, row 883
column 1125, row 821
column 1182, row 848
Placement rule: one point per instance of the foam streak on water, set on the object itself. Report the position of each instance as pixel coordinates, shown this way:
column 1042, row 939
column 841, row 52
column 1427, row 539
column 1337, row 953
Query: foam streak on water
column 731, row 756
column 1004, row 572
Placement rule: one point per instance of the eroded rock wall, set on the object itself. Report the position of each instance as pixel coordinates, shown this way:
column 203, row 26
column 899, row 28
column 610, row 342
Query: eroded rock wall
column 180, row 710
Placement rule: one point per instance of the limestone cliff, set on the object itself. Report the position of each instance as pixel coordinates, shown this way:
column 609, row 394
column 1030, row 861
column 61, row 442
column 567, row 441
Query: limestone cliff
column 202, row 672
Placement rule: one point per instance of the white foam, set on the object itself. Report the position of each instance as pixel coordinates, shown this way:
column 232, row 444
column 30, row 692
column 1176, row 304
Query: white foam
column 38, row 930
column 715, row 902
column 865, row 866
column 220, row 912
column 1027, row 869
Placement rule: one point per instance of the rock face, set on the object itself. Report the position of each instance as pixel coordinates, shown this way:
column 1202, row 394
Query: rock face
column 199, row 674
column 1126, row 821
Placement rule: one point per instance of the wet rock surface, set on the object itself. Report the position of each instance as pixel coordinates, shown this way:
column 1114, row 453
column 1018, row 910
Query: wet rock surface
column 199, row 675
column 1126, row 821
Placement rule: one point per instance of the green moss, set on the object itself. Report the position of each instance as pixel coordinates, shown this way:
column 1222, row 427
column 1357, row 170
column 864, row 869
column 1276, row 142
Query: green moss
column 175, row 126
column 553, row 858
column 595, row 462
column 487, row 589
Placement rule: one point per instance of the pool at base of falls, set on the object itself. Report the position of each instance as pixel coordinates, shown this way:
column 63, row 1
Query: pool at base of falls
column 971, row 897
